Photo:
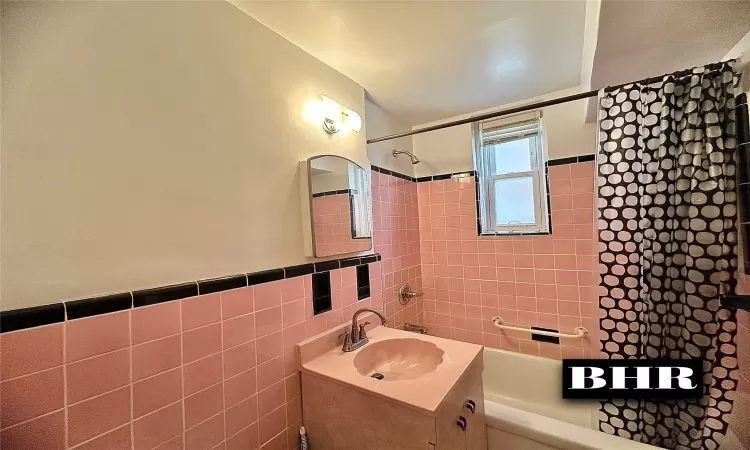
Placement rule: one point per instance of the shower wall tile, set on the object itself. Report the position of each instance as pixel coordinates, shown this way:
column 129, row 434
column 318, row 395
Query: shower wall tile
column 95, row 376
column 31, row 350
column 47, row 432
column 395, row 214
column 546, row 281
column 206, row 371
column 112, row 330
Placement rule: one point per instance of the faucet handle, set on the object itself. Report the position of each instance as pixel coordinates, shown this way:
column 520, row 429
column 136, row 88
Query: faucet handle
column 362, row 332
column 347, row 346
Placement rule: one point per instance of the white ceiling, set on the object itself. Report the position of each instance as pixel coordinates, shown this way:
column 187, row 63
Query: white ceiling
column 637, row 40
column 424, row 61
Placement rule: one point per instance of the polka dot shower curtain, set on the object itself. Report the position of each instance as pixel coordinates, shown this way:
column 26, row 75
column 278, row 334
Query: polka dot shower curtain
column 667, row 245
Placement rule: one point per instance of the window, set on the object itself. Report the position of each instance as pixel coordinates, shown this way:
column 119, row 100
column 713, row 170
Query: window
column 509, row 159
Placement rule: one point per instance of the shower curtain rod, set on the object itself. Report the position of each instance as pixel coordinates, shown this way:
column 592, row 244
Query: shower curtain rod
column 491, row 115
column 529, row 107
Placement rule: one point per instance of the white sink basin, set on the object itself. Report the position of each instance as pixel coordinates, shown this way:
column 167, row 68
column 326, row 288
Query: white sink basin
column 418, row 370
column 398, row 359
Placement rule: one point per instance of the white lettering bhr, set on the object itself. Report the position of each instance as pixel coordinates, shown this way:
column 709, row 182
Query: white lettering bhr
column 579, row 378
column 683, row 377
column 642, row 377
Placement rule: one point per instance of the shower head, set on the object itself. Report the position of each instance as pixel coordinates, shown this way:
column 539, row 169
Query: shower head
column 414, row 159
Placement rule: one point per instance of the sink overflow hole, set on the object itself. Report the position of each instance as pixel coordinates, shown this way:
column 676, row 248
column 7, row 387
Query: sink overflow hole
column 378, row 376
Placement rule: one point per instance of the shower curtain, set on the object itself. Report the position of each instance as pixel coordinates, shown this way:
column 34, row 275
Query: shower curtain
column 667, row 202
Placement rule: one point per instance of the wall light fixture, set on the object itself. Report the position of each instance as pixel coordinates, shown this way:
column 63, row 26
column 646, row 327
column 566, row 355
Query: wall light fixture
column 335, row 116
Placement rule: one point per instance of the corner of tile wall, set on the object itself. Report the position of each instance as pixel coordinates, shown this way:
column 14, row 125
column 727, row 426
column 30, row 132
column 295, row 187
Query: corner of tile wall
column 396, row 227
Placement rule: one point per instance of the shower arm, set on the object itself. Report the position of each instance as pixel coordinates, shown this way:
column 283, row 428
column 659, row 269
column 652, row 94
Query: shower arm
column 414, row 159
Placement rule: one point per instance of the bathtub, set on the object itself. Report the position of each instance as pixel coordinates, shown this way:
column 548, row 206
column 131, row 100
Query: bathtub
column 525, row 411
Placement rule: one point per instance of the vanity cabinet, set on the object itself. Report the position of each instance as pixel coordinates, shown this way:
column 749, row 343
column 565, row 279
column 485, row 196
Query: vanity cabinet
column 338, row 416
column 460, row 422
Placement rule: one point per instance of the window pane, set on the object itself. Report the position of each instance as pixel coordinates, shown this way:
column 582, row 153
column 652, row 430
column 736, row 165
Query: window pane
column 514, row 201
column 512, row 156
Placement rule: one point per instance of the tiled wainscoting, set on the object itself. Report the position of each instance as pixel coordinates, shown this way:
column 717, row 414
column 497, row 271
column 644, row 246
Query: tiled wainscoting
column 213, row 371
column 396, row 225
column 545, row 281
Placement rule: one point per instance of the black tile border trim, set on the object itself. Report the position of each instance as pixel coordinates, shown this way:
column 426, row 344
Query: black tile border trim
column 265, row 276
column 221, row 284
column 448, row 176
column 340, row 191
column 164, row 294
column 298, row 271
column 392, row 173
column 19, row 319
column 325, row 266
column 79, row 309
column 571, row 160
column 468, row 173
column 35, row 316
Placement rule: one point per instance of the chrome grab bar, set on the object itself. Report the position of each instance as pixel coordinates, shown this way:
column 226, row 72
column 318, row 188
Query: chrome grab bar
column 578, row 332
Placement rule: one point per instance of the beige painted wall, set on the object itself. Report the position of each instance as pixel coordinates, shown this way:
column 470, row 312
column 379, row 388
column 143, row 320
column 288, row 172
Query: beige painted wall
column 449, row 150
column 381, row 123
column 148, row 143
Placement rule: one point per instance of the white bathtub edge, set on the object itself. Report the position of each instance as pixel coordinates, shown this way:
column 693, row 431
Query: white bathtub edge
column 552, row 432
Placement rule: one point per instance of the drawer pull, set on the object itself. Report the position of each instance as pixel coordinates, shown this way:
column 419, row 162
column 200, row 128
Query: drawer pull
column 471, row 406
column 461, row 422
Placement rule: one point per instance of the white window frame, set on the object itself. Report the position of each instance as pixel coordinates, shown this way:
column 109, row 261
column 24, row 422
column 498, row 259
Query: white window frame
column 483, row 164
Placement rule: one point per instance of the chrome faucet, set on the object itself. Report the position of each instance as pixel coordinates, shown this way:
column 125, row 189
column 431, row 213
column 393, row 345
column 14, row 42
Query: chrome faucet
column 357, row 336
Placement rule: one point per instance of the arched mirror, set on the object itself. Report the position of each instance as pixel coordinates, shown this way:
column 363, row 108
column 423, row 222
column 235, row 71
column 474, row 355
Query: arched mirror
column 339, row 206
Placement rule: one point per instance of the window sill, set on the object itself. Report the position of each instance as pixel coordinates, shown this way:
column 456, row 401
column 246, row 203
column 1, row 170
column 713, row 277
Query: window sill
column 515, row 233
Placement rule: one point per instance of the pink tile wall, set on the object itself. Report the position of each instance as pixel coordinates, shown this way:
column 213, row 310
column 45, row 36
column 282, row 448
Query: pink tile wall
column 547, row 281
column 740, row 418
column 743, row 349
column 396, row 226
column 214, row 371
column 333, row 226
column 743, row 335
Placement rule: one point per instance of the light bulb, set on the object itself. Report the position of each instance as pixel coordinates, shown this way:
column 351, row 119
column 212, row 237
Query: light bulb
column 353, row 120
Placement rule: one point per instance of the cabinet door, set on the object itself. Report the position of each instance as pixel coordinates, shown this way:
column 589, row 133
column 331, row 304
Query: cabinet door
column 450, row 436
column 476, row 431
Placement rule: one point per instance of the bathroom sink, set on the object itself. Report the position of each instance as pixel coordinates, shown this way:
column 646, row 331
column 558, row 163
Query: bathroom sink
column 398, row 359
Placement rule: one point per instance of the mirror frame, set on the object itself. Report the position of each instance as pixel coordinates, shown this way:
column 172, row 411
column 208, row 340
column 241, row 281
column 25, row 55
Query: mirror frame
column 310, row 203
